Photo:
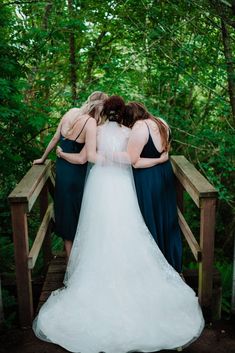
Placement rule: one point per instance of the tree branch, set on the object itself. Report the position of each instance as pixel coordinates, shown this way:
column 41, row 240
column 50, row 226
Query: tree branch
column 19, row 2
column 38, row 133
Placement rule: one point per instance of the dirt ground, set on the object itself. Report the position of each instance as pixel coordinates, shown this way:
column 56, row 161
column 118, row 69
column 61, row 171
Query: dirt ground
column 216, row 338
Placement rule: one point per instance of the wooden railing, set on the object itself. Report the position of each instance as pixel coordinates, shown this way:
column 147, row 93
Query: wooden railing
column 38, row 182
column 204, row 196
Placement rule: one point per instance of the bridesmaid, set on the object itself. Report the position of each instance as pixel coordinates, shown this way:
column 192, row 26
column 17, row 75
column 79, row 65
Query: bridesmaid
column 75, row 129
column 155, row 186
column 123, row 157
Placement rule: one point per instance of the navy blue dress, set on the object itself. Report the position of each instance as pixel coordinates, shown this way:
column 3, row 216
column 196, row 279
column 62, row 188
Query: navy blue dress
column 155, row 188
column 69, row 186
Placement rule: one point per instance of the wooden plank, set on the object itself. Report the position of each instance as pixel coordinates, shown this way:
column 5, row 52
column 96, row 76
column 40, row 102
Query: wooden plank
column 33, row 255
column 51, row 286
column 59, row 255
column 40, row 304
column 23, row 274
column 44, row 295
column 180, row 195
column 51, row 185
column 194, row 182
column 47, row 253
column 192, row 242
column 36, row 192
column 31, row 185
column 59, row 258
column 57, row 268
column 54, row 278
column 207, row 231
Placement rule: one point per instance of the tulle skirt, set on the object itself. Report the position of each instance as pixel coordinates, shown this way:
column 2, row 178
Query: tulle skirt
column 120, row 293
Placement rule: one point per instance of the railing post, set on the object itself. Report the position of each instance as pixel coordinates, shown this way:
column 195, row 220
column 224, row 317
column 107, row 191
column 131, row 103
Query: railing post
column 207, row 231
column 47, row 241
column 23, row 274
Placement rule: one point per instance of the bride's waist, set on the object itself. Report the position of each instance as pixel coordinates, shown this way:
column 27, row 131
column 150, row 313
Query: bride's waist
column 113, row 168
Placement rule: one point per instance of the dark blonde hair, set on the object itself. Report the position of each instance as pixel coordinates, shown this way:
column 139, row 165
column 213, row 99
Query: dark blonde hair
column 135, row 111
column 97, row 95
column 93, row 107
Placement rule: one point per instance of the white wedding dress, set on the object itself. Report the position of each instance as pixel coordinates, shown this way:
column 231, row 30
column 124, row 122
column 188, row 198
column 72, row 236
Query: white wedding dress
column 120, row 293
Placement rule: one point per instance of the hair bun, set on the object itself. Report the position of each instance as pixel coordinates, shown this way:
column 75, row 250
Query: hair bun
column 114, row 108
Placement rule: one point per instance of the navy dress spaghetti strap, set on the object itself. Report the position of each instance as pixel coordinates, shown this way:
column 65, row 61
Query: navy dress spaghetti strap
column 69, row 186
column 156, row 193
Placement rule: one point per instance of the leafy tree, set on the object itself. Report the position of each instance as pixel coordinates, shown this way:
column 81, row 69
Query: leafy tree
column 174, row 56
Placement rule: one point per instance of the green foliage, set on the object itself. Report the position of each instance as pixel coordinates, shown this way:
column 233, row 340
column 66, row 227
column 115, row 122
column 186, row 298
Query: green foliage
column 166, row 54
column 226, row 272
column 225, row 269
column 9, row 304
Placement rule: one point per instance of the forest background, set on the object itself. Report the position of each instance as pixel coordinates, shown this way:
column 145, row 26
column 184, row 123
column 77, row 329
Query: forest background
column 177, row 57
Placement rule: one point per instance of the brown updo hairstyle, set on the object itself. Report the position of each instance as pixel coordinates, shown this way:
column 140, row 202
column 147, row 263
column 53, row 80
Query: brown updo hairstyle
column 135, row 111
column 114, row 109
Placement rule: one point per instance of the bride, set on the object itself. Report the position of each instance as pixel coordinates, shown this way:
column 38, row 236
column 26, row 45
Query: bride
column 120, row 293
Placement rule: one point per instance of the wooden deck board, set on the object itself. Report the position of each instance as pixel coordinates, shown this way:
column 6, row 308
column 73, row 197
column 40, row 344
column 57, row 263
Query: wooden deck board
column 54, row 278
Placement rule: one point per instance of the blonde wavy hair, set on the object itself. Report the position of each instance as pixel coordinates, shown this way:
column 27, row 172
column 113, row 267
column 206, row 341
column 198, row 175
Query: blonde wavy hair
column 93, row 107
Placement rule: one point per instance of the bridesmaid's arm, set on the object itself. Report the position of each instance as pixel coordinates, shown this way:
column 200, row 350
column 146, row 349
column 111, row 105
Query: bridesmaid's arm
column 90, row 141
column 88, row 152
column 150, row 162
column 55, row 139
column 137, row 141
column 74, row 158
column 124, row 157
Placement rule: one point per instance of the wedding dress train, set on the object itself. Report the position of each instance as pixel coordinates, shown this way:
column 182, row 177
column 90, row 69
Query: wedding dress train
column 120, row 293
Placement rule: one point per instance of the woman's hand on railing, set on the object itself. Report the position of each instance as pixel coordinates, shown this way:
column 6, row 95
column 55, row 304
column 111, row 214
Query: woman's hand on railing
column 38, row 161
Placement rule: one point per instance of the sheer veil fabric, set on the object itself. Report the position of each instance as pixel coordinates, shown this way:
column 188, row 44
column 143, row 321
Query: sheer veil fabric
column 120, row 293
column 111, row 140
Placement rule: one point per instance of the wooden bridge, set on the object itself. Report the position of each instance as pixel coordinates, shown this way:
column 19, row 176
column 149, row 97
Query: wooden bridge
column 39, row 183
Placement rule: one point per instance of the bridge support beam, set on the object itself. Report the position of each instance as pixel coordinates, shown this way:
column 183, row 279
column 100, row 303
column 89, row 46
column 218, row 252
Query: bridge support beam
column 207, row 231
column 23, row 274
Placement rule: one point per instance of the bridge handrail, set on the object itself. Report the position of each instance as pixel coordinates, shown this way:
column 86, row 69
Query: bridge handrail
column 39, row 182
column 192, row 180
column 189, row 179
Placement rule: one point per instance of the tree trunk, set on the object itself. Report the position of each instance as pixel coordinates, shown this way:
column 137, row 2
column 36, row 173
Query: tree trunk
column 72, row 57
column 1, row 305
column 233, row 7
column 230, row 66
column 91, row 57
column 47, row 11
column 233, row 288
column 46, row 92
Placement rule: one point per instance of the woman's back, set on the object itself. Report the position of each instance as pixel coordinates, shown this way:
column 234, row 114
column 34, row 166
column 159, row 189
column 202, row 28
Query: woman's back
column 154, row 145
column 155, row 188
column 70, row 178
column 112, row 137
column 72, row 125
